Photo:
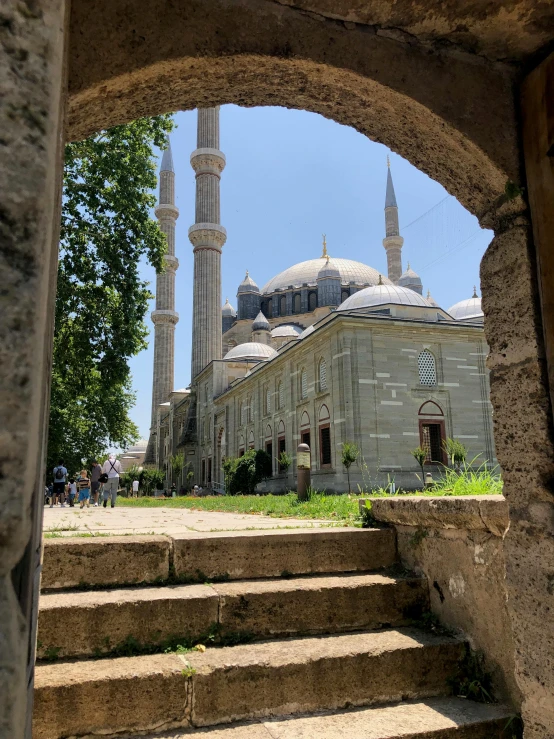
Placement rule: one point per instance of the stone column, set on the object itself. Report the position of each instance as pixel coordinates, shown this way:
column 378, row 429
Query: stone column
column 164, row 316
column 393, row 241
column 207, row 237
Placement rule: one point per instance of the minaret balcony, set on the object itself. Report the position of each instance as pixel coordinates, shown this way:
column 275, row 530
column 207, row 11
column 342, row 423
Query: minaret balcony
column 207, row 236
column 166, row 210
column 171, row 263
column 170, row 317
column 208, row 161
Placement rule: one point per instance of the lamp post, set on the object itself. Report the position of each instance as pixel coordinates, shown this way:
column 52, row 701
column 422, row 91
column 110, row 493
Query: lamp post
column 303, row 471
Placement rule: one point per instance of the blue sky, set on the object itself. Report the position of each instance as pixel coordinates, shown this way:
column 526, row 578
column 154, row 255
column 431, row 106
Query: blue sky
column 290, row 177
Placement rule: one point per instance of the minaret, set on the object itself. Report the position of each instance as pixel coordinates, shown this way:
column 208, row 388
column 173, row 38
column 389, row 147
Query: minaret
column 207, row 237
column 164, row 316
column 392, row 241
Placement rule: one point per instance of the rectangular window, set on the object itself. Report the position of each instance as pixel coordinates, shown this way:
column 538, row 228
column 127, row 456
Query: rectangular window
column 325, row 446
column 431, row 441
column 281, row 447
column 203, row 472
column 209, row 470
column 269, row 450
column 305, row 437
column 241, row 452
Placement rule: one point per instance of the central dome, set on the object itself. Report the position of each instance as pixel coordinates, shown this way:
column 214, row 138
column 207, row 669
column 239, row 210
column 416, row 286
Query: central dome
column 307, row 272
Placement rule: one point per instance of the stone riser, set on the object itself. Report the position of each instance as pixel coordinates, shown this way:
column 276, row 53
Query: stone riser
column 128, row 560
column 79, row 624
column 229, row 684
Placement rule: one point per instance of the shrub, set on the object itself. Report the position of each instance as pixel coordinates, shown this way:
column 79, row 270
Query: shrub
column 350, row 453
column 243, row 474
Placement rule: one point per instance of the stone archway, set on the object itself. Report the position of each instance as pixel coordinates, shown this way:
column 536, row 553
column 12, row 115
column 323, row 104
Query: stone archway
column 441, row 97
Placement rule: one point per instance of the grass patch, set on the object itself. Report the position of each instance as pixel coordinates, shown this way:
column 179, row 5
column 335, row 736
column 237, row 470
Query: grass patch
column 339, row 508
column 468, row 481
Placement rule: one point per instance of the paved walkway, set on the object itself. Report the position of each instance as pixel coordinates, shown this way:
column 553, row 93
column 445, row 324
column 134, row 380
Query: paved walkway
column 121, row 520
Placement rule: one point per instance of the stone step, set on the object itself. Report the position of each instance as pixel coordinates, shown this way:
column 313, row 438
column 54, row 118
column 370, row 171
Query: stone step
column 225, row 555
column 126, row 621
column 244, row 555
column 434, row 718
column 275, row 678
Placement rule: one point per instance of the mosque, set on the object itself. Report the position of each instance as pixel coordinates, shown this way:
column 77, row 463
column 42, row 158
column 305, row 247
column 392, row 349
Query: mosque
column 326, row 352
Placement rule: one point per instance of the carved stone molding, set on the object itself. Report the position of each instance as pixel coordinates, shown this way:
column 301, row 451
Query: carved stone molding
column 207, row 235
column 164, row 316
column 166, row 210
column 207, row 161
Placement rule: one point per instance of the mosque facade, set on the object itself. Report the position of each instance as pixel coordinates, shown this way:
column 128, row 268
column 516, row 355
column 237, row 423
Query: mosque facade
column 326, row 352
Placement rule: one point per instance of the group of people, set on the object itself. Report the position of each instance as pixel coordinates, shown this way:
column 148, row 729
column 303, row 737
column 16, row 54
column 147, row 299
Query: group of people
column 103, row 480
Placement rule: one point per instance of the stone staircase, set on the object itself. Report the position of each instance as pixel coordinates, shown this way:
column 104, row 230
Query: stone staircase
column 308, row 633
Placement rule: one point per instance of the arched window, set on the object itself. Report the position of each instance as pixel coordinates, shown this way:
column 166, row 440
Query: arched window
column 312, row 301
column 322, row 372
column 325, row 458
column 251, row 440
column 267, row 400
column 269, row 443
column 283, row 305
column 432, row 432
column 242, row 413
column 427, row 368
column 303, row 383
column 241, row 445
column 281, row 395
column 281, row 446
column 270, row 308
column 305, row 429
column 344, row 294
column 249, row 410
column 297, row 305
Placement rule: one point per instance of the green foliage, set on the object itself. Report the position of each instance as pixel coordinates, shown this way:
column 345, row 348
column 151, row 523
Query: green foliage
column 177, row 463
column 420, row 455
column 151, row 479
column 368, row 519
column 469, row 480
column 242, row 474
column 349, row 454
column 473, row 681
column 101, row 301
column 418, row 536
column 455, row 451
column 285, row 461
column 512, row 190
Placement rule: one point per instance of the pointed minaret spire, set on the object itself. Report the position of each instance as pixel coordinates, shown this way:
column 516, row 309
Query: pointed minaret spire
column 393, row 241
column 207, row 236
column 474, row 292
column 164, row 316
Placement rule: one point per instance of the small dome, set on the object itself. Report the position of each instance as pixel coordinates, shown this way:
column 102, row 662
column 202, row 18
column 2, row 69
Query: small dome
column 261, row 323
column 248, row 285
column 286, row 330
column 307, row 332
column 409, row 278
column 329, row 269
column 467, row 310
column 383, row 295
column 251, row 350
column 228, row 309
column 431, row 300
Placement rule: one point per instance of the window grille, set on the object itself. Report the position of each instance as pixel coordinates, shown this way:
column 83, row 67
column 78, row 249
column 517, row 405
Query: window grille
column 325, row 441
column 268, row 401
column 304, row 384
column 323, row 375
column 427, row 368
column 431, row 441
column 281, row 396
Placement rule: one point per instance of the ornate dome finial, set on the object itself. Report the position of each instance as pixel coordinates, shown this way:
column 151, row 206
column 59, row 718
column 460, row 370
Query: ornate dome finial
column 380, row 279
column 388, row 161
column 474, row 292
column 324, row 252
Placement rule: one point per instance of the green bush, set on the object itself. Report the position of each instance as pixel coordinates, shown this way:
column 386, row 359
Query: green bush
column 243, row 474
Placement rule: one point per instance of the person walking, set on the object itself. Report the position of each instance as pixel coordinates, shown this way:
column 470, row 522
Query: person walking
column 58, row 491
column 112, row 468
column 135, row 488
column 83, row 486
column 72, row 492
column 95, row 474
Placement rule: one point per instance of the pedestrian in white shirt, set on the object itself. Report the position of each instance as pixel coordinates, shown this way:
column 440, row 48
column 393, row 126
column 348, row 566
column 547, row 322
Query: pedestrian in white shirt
column 111, row 468
column 135, row 488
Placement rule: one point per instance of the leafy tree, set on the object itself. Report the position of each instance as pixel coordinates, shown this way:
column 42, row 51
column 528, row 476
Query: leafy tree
column 420, row 455
column 177, row 463
column 242, row 474
column 349, row 455
column 456, row 452
column 285, row 461
column 101, row 302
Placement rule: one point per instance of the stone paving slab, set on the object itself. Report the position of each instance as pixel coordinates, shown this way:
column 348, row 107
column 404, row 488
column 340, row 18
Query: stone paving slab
column 120, row 520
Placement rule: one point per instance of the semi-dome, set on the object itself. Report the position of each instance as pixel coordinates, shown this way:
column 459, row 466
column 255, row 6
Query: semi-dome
column 261, row 323
column 383, row 295
column 467, row 310
column 308, row 272
column 286, row 330
column 252, row 350
column 228, row 309
column 248, row 285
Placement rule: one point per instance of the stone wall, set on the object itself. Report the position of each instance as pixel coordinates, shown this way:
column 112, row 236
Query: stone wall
column 458, row 544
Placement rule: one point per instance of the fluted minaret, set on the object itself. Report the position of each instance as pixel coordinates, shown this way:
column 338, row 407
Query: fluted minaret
column 207, row 236
column 164, row 316
column 392, row 241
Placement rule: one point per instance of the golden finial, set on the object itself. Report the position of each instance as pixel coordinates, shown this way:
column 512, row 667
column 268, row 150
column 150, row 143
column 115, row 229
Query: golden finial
column 388, row 162
column 474, row 292
column 324, row 253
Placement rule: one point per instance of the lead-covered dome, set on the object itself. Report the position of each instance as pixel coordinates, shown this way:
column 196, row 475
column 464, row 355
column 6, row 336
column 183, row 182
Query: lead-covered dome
column 383, row 295
column 228, row 310
column 251, row 350
column 307, row 273
column 248, row 285
column 467, row 310
column 261, row 323
column 286, row 330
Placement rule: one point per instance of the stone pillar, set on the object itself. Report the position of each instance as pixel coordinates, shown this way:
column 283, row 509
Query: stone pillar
column 207, row 237
column 393, row 241
column 164, row 317
column 525, row 450
column 32, row 70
